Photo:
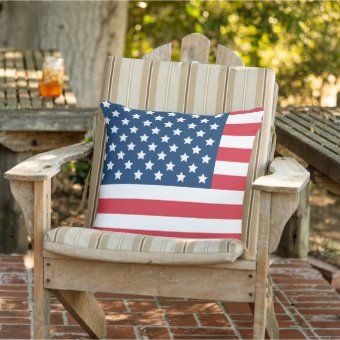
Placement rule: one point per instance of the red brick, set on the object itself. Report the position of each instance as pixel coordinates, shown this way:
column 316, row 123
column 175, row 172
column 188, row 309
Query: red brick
column 13, row 304
column 57, row 318
column 181, row 307
column 176, row 320
column 314, row 311
column 142, row 306
column 15, row 332
column 154, row 333
column 114, row 306
column 120, row 332
column 15, row 313
column 319, row 305
column 155, row 319
column 237, row 307
column 21, row 288
column 14, row 279
column 291, row 334
column 16, row 320
column 246, row 333
column 213, row 320
column 326, row 324
column 16, row 294
column 201, row 332
column 68, row 332
column 328, row 332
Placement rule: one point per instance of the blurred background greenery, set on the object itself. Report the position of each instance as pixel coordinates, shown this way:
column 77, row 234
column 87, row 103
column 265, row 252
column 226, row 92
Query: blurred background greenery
column 298, row 39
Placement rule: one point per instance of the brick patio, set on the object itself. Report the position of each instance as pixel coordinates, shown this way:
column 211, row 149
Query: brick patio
column 306, row 306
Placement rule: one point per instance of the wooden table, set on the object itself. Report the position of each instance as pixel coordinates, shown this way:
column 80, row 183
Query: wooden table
column 313, row 134
column 30, row 124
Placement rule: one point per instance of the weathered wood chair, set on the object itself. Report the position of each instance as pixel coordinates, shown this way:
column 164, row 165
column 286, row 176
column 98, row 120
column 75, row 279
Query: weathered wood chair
column 191, row 86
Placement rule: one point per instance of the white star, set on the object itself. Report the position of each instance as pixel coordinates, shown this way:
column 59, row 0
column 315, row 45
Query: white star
column 147, row 123
column 128, row 164
column 187, row 140
column 171, row 114
column 109, row 166
column 202, row 178
column 112, row 147
column 169, row 166
column 136, row 116
column 149, row 165
column 173, row 148
column 161, row 155
column 149, row 112
column 192, row 168
column 213, row 126
column 200, row 133
column 158, row 175
column 107, row 120
column 195, row 116
column 126, row 109
column 205, row 120
column 184, row 157
column 152, row 147
column 138, row 174
column 144, row 138
column 114, row 129
column 177, row 132
column 209, row 141
column 155, row 131
column 196, row 149
column 106, row 139
column 115, row 113
column 125, row 121
column 180, row 177
column 218, row 116
column 191, row 126
column 168, row 124
column 121, row 155
column 133, row 129
column 206, row 159
column 123, row 137
column 106, row 104
column 105, row 157
column 165, row 139
column 118, row 174
column 131, row 146
column 141, row 155
column 181, row 119
column 159, row 118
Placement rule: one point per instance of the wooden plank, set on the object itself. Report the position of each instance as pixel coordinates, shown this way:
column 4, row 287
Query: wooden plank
column 195, row 47
column 46, row 165
column 316, row 155
column 42, row 223
column 295, row 236
column 83, row 307
column 161, row 53
column 44, row 120
column 225, row 56
column 37, row 141
column 147, row 279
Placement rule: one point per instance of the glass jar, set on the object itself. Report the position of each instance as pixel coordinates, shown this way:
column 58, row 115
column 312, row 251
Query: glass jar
column 51, row 84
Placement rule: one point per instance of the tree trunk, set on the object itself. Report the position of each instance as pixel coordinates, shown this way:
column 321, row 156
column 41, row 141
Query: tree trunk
column 84, row 32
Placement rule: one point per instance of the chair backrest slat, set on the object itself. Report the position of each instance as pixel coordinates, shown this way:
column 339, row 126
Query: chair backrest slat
column 193, row 88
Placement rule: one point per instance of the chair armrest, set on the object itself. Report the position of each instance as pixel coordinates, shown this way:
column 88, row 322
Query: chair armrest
column 287, row 176
column 45, row 165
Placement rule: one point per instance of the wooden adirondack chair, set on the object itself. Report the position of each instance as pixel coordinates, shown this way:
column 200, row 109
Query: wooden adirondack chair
column 155, row 83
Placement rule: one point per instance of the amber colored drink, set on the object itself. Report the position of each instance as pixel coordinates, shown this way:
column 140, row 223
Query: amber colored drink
column 51, row 83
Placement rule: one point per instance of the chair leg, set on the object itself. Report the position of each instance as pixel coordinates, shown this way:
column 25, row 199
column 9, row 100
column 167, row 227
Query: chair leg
column 272, row 326
column 83, row 307
column 41, row 303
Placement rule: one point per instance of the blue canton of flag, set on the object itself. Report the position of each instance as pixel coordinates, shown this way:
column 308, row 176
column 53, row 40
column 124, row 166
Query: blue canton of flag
column 160, row 148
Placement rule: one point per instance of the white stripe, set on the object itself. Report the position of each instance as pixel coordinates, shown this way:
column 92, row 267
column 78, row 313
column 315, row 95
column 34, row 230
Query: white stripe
column 231, row 168
column 169, row 193
column 239, row 142
column 160, row 223
column 253, row 117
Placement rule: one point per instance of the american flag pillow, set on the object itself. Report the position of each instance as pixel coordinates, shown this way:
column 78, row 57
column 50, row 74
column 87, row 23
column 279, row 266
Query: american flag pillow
column 173, row 174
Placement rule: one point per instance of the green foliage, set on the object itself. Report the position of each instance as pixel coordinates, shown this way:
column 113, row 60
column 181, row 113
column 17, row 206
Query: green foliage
column 298, row 39
column 77, row 171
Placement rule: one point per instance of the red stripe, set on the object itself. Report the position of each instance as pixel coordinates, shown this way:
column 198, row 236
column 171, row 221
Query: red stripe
column 229, row 182
column 172, row 233
column 248, row 129
column 233, row 155
column 169, row 208
column 258, row 109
